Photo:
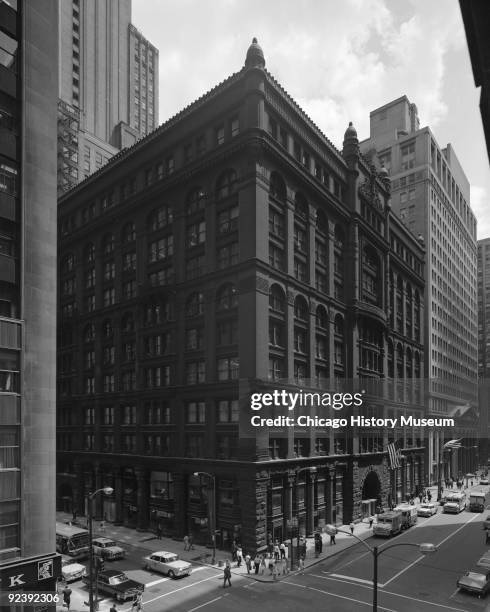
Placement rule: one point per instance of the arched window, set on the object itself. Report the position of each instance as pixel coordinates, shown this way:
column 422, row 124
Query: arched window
column 89, row 253
column 277, row 299
column 417, row 365
column 108, row 243
column 194, row 305
column 129, row 233
column 300, row 308
column 277, row 187
column 321, row 318
column 226, row 184
column 301, row 207
column 160, row 218
column 227, row 297
column 195, row 201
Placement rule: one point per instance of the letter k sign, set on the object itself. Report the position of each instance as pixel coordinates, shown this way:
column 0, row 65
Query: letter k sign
column 16, row 580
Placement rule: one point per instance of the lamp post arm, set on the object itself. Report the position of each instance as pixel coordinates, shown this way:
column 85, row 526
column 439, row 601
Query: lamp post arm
column 382, row 550
column 370, row 548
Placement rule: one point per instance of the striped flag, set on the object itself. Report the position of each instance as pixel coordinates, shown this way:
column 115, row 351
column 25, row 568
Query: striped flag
column 394, row 455
column 453, row 444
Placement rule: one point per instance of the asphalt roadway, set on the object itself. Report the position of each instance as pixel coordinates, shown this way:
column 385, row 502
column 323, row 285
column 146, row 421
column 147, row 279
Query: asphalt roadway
column 407, row 580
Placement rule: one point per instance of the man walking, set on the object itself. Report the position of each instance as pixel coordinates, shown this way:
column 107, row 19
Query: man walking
column 67, row 596
column 186, row 542
column 352, row 528
column 227, row 575
column 159, row 531
column 332, row 539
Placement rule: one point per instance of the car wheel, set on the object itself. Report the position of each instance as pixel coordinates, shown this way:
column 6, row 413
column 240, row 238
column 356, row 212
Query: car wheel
column 171, row 574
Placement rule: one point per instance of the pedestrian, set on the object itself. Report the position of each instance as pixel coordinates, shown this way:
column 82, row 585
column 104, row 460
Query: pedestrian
column 276, row 551
column 137, row 602
column 248, row 563
column 239, row 556
column 282, row 549
column 113, row 608
column 275, row 570
column 102, row 526
column 74, row 518
column 302, row 563
column 67, row 596
column 262, row 565
column 186, row 542
column 352, row 528
column 191, row 542
column 257, row 561
column 233, row 551
column 471, row 483
column 159, row 531
column 227, row 575
column 286, row 559
column 271, row 563
column 371, row 521
column 332, row 539
column 429, row 496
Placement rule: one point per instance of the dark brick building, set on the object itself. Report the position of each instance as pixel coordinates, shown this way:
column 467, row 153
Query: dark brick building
column 234, row 250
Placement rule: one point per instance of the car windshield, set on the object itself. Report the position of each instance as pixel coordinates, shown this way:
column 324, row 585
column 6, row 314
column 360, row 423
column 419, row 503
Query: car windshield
column 480, row 578
column 426, row 506
column 109, row 543
column 119, row 579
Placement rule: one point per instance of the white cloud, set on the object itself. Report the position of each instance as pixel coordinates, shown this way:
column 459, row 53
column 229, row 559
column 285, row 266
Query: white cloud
column 480, row 204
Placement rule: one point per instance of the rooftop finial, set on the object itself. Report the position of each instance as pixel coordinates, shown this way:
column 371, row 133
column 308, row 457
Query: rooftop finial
column 255, row 56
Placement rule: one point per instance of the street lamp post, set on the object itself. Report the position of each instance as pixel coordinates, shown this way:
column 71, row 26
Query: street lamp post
column 425, row 549
column 212, row 512
column 311, row 470
column 90, row 497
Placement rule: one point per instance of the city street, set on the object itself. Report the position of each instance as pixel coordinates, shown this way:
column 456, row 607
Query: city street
column 407, row 580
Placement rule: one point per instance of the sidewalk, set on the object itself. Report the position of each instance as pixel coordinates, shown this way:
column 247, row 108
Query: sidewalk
column 147, row 542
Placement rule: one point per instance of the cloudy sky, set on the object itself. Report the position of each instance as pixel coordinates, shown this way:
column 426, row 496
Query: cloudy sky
column 338, row 59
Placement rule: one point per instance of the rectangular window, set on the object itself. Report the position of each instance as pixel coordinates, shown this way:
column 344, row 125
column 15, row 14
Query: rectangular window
column 196, row 234
column 161, row 249
column 276, row 257
column 235, row 127
column 228, row 220
column 194, row 267
column 194, row 339
column 227, row 333
column 196, row 412
column 228, row 368
column 195, row 372
column 227, row 255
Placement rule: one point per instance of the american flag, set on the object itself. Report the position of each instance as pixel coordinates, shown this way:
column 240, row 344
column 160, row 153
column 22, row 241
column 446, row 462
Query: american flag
column 395, row 456
column 453, row 444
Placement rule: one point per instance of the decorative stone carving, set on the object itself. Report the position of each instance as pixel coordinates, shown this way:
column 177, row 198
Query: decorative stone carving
column 369, row 190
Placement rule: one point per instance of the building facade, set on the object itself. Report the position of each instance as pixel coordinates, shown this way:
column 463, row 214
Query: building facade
column 431, row 194
column 234, row 251
column 28, row 88
column 484, row 308
column 108, row 88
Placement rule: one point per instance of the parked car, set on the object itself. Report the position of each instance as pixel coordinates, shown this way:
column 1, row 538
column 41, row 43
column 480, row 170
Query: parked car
column 71, row 571
column 476, row 581
column 483, row 481
column 427, row 509
column 167, row 563
column 485, row 560
column 117, row 584
column 107, row 549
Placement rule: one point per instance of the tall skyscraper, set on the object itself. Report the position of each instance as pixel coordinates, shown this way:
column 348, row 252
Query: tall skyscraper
column 28, row 86
column 484, row 308
column 108, row 91
column 431, row 195
column 236, row 250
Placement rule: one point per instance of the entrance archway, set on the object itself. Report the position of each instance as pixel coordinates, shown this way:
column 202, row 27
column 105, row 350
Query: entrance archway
column 371, row 487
